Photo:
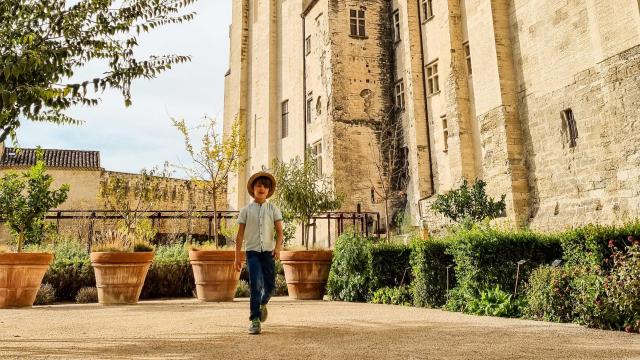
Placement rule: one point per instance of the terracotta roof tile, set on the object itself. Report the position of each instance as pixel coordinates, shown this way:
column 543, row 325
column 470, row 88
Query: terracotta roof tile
column 78, row 159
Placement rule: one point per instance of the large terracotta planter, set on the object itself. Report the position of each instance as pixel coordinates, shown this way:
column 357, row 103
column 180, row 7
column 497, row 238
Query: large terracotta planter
column 306, row 272
column 216, row 279
column 120, row 275
column 20, row 277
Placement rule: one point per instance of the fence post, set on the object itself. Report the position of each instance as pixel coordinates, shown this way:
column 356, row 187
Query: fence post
column 58, row 222
column 91, row 234
column 329, row 230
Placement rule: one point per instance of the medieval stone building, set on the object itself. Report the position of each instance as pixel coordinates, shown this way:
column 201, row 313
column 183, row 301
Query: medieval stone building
column 539, row 98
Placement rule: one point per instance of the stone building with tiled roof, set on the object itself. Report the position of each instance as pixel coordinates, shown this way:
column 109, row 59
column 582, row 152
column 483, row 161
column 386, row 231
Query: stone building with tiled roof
column 82, row 170
column 53, row 158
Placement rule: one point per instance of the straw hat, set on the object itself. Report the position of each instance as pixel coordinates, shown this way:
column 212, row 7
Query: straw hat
column 257, row 175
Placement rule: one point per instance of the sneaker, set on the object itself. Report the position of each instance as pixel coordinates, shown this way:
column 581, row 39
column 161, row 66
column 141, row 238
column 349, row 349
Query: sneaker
column 254, row 329
column 263, row 313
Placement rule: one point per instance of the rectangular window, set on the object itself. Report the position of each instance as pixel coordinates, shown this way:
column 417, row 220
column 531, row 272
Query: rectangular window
column 433, row 85
column 307, row 45
column 399, row 94
column 316, row 155
column 309, row 106
column 285, row 118
column 427, row 9
column 396, row 25
column 467, row 55
column 571, row 126
column 445, row 133
column 357, row 23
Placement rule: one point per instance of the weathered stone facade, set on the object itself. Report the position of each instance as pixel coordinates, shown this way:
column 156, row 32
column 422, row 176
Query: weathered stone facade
column 540, row 98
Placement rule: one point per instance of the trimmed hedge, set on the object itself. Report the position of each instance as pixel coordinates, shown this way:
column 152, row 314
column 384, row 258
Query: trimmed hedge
column 589, row 245
column 485, row 258
column 429, row 262
column 389, row 266
column 360, row 267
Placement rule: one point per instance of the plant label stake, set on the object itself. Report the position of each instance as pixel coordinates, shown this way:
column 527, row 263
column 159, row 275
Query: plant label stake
column 521, row 262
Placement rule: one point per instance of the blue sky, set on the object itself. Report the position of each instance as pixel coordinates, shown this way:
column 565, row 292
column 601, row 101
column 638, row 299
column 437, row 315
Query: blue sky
column 141, row 135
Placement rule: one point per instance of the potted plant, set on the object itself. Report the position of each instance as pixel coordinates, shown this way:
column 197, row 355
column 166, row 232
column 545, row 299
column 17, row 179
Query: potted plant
column 121, row 258
column 25, row 199
column 213, row 265
column 303, row 193
column 120, row 262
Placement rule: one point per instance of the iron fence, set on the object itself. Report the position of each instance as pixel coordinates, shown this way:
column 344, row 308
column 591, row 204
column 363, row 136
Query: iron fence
column 364, row 223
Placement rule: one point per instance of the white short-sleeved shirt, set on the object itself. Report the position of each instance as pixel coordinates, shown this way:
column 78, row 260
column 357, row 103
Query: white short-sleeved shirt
column 259, row 220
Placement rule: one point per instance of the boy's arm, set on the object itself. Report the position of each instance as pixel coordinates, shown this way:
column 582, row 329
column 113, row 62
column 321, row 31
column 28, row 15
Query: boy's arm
column 239, row 239
column 276, row 251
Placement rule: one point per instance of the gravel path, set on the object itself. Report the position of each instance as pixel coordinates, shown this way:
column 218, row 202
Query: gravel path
column 187, row 329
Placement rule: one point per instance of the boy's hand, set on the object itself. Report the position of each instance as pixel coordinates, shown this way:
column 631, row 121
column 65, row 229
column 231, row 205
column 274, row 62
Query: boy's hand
column 237, row 264
column 276, row 253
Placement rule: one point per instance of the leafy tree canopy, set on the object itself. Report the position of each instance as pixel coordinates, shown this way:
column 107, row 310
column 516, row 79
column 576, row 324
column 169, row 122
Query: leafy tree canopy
column 43, row 43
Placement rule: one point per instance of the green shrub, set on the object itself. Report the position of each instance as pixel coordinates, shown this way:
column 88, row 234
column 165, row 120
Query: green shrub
column 622, row 288
column 589, row 295
column 429, row 262
column 485, row 258
column 87, row 295
column 170, row 274
column 493, row 302
column 549, row 295
column 469, row 204
column 243, row 289
column 389, row 265
column 349, row 276
column 400, row 295
column 46, row 295
column 281, row 286
column 71, row 267
column 589, row 245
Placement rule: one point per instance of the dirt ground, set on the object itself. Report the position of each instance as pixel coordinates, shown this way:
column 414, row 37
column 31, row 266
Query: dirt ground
column 187, row 329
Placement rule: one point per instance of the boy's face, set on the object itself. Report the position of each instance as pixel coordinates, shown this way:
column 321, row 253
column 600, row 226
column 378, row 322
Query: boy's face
column 260, row 191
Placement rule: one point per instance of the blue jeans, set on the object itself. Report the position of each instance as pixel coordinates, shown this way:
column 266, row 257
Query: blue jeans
column 262, row 280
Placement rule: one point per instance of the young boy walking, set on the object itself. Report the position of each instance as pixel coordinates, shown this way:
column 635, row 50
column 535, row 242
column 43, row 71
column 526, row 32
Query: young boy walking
column 257, row 223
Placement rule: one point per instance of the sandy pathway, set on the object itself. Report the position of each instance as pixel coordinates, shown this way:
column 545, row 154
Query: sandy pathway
column 186, row 329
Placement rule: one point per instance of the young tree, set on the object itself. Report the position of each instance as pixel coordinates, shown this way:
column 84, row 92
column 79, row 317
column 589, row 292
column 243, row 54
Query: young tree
column 303, row 193
column 133, row 198
column 390, row 164
column 469, row 204
column 43, row 43
column 25, row 199
column 217, row 157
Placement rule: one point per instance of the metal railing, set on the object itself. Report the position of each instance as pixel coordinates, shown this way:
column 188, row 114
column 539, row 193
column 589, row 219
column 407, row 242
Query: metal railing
column 364, row 223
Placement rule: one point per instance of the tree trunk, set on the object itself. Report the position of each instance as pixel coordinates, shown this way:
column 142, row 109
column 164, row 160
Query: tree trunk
column 386, row 219
column 215, row 218
column 20, row 240
column 306, row 232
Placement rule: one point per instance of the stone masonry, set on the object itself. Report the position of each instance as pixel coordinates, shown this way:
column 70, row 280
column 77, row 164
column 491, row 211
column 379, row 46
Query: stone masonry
column 539, row 98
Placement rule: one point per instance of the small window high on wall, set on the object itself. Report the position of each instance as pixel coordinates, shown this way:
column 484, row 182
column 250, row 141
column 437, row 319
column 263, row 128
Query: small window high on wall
column 569, row 123
column 396, row 25
column 357, row 23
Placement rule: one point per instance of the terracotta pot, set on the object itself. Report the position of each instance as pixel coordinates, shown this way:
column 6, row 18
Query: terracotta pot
column 216, row 279
column 306, row 272
column 120, row 275
column 20, row 277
